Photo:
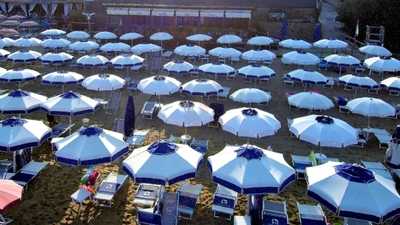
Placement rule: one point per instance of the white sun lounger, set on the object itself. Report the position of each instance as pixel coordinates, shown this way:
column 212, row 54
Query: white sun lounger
column 138, row 137
column 27, row 173
column 108, row 188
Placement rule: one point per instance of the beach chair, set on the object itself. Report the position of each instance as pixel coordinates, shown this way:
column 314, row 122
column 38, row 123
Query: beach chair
column 288, row 81
column 5, row 220
column 27, row 173
column 148, row 195
column 224, row 93
column 351, row 221
column 224, row 202
column 394, row 92
column 60, row 129
column 311, row 214
column 108, row 188
column 149, row 109
column 188, row 195
column 241, row 220
column 169, row 214
column 330, row 83
column 200, row 145
column 132, row 85
column 150, row 216
column 80, row 196
column 274, row 213
column 341, row 103
column 378, row 168
column 138, row 137
column 300, row 163
column 5, row 167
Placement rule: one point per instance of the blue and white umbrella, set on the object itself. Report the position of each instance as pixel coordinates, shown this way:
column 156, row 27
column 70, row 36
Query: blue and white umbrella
column 310, row 100
column 249, row 122
column 18, row 75
column 256, row 71
column 189, row 50
column 331, row 44
column 229, row 39
column 300, row 58
column 249, row 169
column 358, row 81
column 115, row 47
column 391, row 83
column 90, row 146
column 159, row 85
column 295, row 44
column 306, row 76
column 342, row 60
column 162, row 163
column 92, row 60
column 130, row 36
column 382, row 64
column 250, row 96
column 83, row 46
column 350, row 190
column 217, row 69
column 127, row 61
column 62, row 77
column 103, row 82
column 17, row 134
column 27, row 42
column 60, row 57
column 258, row 55
column 8, row 42
column 371, row 107
column 18, row 102
column 225, row 53
column 145, row 48
column 202, row 87
column 260, row 41
column 161, row 36
column 199, row 37
column 24, row 56
column 58, row 43
column 105, row 35
column 4, row 53
column 178, row 66
column 78, row 35
column 52, row 32
column 69, row 104
column 375, row 50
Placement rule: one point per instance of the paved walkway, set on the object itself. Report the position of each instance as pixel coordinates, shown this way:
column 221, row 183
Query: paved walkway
column 327, row 18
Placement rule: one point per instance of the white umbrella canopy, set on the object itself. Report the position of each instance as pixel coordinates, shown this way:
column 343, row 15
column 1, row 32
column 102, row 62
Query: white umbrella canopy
column 249, row 122
column 260, row 41
column 186, row 114
column 358, row 81
column 199, row 37
column 90, row 146
column 189, row 50
column 92, row 60
column 161, row 36
column 310, row 100
column 229, row 39
column 342, row 60
column 375, row 50
column 115, row 47
column 78, row 35
column 249, row 169
column 130, row 36
column 103, row 82
column 62, row 77
column 55, row 43
column 83, row 46
column 174, row 163
column 295, row 44
column 203, row 87
column 250, row 95
column 27, row 42
column 371, row 107
column 159, row 85
column 145, row 48
column 127, row 60
column 300, row 58
column 52, row 32
column 324, row 131
column 392, row 83
column 24, row 56
column 178, row 66
column 60, row 57
column 256, row 71
column 258, row 55
column 382, row 64
column 105, row 35
column 18, row 102
column 17, row 134
column 225, row 52
column 217, row 69
column 17, row 75
column 350, row 190
column 307, row 76
column 331, row 44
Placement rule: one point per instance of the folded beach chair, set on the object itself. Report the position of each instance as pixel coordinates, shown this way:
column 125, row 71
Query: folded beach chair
column 150, row 216
column 311, row 214
column 300, row 163
column 224, row 202
column 188, row 195
column 378, row 168
column 200, row 145
column 4, row 220
column 27, row 173
column 138, row 137
column 274, row 213
column 351, row 221
column 108, row 188
column 149, row 109
column 241, row 220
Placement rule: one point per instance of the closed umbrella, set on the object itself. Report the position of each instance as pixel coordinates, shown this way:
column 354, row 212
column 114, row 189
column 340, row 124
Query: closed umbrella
column 130, row 116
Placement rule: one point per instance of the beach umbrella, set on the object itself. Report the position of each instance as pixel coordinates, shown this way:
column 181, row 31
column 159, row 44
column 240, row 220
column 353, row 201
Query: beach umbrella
column 10, row 23
column 350, row 190
column 130, row 36
column 8, row 32
column 225, row 52
column 10, row 194
column 324, row 131
column 105, row 35
column 92, row 60
column 260, row 41
column 295, row 44
column 24, row 56
column 186, row 114
column 52, row 32
column 29, row 24
column 18, row 75
column 8, row 42
column 58, row 43
column 17, row 134
column 258, row 55
column 256, row 71
column 90, row 146
column 331, row 44
column 145, row 48
column 375, row 50
column 69, row 104
column 371, row 107
column 83, row 46
column 178, row 66
column 229, row 39
column 18, row 102
column 392, row 83
column 306, row 76
column 310, row 100
column 199, row 37
column 249, row 169
column 27, row 42
column 217, row 69
column 78, row 35
column 203, row 87
column 4, row 53
column 129, row 119
column 250, row 96
column 62, row 77
column 300, row 58
column 382, row 64
column 189, row 50
column 161, row 36
column 358, row 81
column 159, row 85
column 127, row 61
column 249, row 122
column 17, row 17
column 52, row 57
column 342, row 60
column 174, row 163
column 103, row 82
column 115, row 47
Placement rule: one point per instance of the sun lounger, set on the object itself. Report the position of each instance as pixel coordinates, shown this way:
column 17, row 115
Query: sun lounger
column 149, row 109
column 4, row 220
column 60, row 129
column 394, row 92
column 5, row 166
column 148, row 195
column 149, row 216
column 311, row 214
column 169, row 215
column 274, row 213
column 200, row 145
column 188, row 195
column 341, row 103
column 132, row 85
column 350, row 221
column 288, row 81
column 224, row 93
column 138, row 137
column 27, row 173
column 378, row 168
column 108, row 188
column 300, row 163
column 382, row 135
column 242, row 220
column 80, row 196
column 224, row 202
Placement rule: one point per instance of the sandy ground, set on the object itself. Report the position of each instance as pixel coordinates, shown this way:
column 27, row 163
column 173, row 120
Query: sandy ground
column 47, row 200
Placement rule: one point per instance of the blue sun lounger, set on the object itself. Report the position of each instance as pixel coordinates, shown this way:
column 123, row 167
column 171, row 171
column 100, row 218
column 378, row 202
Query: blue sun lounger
column 351, row 221
column 108, row 188
column 311, row 214
column 224, row 202
column 149, row 216
column 274, row 213
column 27, row 173
column 188, row 195
column 300, row 163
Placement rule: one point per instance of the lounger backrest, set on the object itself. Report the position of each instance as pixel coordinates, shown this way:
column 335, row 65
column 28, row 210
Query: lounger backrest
column 148, row 218
column 224, row 201
column 108, row 187
column 187, row 201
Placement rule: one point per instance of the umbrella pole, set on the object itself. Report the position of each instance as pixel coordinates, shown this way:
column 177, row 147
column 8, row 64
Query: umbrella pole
column 14, row 161
column 70, row 122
